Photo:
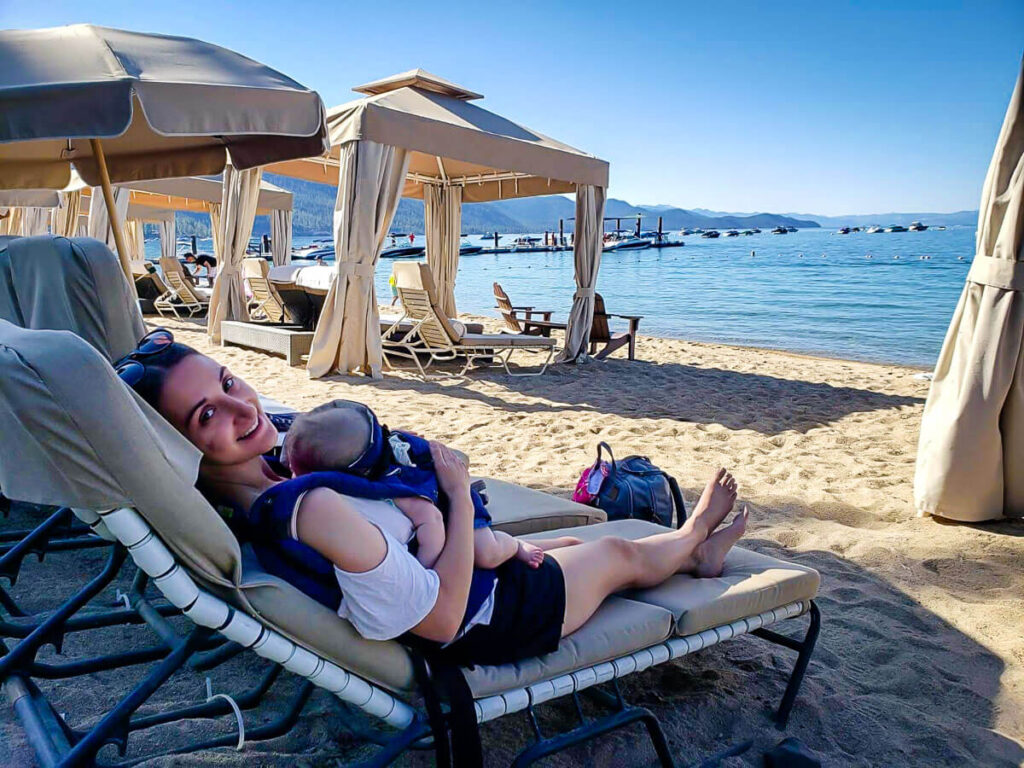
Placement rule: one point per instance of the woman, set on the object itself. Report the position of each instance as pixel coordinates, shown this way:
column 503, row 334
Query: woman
column 385, row 591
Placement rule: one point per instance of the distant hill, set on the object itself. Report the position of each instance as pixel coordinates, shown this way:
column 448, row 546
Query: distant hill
column 957, row 218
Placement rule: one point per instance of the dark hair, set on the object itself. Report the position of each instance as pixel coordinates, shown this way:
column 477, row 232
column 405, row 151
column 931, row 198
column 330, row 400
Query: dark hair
column 157, row 367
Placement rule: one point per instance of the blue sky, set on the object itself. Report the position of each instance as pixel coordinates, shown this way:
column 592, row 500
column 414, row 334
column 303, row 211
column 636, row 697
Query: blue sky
column 820, row 107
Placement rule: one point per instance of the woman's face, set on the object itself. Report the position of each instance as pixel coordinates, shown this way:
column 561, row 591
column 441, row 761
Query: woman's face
column 219, row 413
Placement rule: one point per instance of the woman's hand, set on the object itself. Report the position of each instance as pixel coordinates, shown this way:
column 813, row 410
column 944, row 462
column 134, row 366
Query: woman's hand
column 452, row 474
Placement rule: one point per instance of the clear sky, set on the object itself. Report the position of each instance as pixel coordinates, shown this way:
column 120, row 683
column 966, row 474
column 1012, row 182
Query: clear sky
column 816, row 107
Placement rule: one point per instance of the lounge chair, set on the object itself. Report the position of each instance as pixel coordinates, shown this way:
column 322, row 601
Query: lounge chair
column 265, row 302
column 141, row 490
column 601, row 334
column 434, row 337
column 183, row 295
column 525, row 324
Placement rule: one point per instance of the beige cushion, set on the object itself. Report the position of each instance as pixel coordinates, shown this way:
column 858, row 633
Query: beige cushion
column 750, row 584
column 620, row 626
column 517, row 510
column 504, row 340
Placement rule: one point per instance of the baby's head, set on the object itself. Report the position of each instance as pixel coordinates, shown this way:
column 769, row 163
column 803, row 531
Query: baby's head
column 335, row 436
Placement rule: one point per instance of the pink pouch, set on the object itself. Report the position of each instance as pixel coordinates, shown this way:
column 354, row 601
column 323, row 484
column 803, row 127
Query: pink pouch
column 589, row 484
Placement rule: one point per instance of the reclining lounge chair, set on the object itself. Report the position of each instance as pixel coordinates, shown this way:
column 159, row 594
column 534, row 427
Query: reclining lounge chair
column 437, row 338
column 265, row 302
column 183, row 295
column 103, row 449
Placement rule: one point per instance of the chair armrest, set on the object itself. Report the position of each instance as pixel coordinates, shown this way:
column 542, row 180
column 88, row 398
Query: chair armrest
column 545, row 312
column 628, row 317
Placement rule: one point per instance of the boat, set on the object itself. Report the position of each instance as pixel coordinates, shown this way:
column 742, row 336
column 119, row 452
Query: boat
column 791, row 229
column 855, row 229
column 492, row 236
column 747, row 232
column 917, row 226
column 941, row 228
column 732, row 233
column 895, row 228
column 468, row 249
column 756, row 231
column 780, row 231
column 874, row 230
column 618, row 242
column 685, row 231
column 712, row 233
column 843, row 231
column 402, row 252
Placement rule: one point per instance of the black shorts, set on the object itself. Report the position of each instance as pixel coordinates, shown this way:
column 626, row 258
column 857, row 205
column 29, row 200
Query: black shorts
column 529, row 609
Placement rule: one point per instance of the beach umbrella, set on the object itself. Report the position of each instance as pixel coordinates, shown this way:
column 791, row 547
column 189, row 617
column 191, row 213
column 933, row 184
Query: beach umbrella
column 970, row 460
column 126, row 106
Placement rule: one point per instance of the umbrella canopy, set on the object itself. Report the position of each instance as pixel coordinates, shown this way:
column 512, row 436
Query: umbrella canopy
column 451, row 142
column 970, row 461
column 164, row 106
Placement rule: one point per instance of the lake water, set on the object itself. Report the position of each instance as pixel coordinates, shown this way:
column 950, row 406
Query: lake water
column 811, row 291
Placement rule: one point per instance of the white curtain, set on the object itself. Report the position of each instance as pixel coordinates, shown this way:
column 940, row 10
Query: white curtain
column 65, row 217
column 970, row 459
column 231, row 238
column 134, row 240
column 587, row 245
column 26, row 221
column 168, row 238
column 370, row 181
column 442, row 216
column 281, row 237
column 99, row 224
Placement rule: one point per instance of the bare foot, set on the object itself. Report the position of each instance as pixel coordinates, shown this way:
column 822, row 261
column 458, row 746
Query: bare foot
column 711, row 554
column 530, row 554
column 715, row 503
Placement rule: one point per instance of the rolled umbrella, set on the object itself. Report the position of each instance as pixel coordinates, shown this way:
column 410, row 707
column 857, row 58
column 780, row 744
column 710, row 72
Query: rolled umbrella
column 123, row 106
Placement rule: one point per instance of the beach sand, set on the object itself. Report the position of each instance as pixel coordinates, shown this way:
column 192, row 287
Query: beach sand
column 921, row 655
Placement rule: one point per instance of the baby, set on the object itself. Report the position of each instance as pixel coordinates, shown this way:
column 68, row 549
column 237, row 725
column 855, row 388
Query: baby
column 345, row 436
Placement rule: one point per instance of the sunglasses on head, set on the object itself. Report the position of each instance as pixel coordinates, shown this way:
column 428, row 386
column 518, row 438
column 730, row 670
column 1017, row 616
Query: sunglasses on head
column 130, row 368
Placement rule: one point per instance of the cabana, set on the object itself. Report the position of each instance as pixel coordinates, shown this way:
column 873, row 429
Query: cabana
column 418, row 135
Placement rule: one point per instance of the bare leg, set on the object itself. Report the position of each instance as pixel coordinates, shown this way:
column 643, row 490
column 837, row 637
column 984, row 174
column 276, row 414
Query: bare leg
column 556, row 543
column 711, row 554
column 426, row 519
column 596, row 569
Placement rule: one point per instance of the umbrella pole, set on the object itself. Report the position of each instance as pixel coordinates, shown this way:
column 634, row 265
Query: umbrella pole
column 108, row 198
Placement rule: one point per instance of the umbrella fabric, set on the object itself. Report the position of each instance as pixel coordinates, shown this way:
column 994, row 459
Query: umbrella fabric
column 970, row 460
column 347, row 336
column 237, row 214
column 281, row 237
column 587, row 245
column 442, row 209
column 164, row 106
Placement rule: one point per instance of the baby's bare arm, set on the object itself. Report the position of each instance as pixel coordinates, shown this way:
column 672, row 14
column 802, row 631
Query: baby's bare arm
column 428, row 523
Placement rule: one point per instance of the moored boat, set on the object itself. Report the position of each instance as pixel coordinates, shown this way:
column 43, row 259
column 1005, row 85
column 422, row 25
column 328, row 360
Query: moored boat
column 917, row 226
column 711, row 233
column 896, row 228
column 780, row 231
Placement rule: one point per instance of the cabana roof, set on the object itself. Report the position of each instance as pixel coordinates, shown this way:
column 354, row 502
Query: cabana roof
column 452, row 142
column 195, row 193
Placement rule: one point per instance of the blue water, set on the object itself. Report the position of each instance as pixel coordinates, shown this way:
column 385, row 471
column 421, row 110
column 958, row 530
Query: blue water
column 832, row 301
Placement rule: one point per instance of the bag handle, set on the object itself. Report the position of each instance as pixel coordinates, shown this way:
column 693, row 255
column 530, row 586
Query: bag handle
column 604, row 446
column 677, row 499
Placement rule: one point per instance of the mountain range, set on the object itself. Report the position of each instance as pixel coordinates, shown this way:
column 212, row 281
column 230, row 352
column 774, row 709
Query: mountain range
column 313, row 210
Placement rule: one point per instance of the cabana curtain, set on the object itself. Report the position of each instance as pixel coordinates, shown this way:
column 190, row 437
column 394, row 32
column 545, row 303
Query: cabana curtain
column 65, row 216
column 236, row 216
column 970, row 460
column 99, row 223
column 168, row 238
column 587, row 245
column 281, row 237
column 348, row 334
column 442, row 213
column 34, row 221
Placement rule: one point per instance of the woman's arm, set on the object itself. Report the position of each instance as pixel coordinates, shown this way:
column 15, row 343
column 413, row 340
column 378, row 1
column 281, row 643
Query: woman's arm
column 330, row 525
column 455, row 565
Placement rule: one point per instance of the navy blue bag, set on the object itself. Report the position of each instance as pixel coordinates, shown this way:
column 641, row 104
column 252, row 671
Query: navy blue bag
column 634, row 488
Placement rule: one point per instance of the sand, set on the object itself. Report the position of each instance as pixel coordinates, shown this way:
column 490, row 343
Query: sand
column 921, row 656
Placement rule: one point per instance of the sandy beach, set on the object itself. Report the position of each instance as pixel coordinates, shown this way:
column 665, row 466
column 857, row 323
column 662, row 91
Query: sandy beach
column 921, row 656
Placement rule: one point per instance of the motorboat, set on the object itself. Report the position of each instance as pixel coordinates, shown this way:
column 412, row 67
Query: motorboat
column 525, row 243
column 756, row 231
column 468, row 249
column 625, row 243
column 685, row 231
column 917, row 226
column 711, row 233
column 747, row 232
column 780, row 231
column 855, row 229
column 492, row 236
column 403, row 252
column 732, row 233
column 895, row 228
column 874, row 230
column 843, row 231
column 791, row 229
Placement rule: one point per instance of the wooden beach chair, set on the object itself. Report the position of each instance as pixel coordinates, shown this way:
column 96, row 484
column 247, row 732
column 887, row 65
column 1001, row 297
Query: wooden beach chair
column 265, row 302
column 437, row 339
column 525, row 324
column 182, row 296
column 140, row 491
column 602, row 335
